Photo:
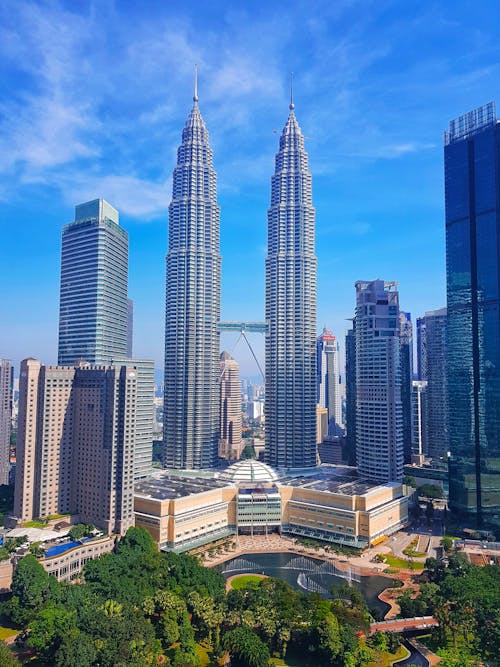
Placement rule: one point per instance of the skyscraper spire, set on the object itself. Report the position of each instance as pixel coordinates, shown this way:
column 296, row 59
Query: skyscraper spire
column 191, row 410
column 292, row 105
column 291, row 269
column 195, row 95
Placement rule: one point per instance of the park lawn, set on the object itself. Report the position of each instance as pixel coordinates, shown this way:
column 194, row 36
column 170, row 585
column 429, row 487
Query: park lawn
column 34, row 524
column 5, row 633
column 246, row 581
column 402, row 563
column 385, row 659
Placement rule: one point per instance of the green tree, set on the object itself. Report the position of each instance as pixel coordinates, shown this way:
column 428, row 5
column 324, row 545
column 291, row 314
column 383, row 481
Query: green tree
column 430, row 491
column 447, row 544
column 76, row 650
column 246, row 648
column 137, row 540
column 31, row 590
column 49, row 629
column 7, row 658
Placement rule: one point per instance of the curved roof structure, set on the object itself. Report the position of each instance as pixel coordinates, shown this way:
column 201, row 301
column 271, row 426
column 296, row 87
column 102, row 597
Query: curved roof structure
column 250, row 471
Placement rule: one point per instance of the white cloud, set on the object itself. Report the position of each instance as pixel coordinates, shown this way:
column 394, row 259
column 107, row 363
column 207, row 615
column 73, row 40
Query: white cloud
column 131, row 195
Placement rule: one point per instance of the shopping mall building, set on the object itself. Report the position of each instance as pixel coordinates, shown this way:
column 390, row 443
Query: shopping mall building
column 185, row 510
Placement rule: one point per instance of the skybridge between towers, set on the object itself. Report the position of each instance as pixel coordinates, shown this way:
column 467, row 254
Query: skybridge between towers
column 243, row 328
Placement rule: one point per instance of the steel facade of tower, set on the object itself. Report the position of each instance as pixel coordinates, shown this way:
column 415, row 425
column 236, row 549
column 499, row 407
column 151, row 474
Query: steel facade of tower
column 291, row 276
column 94, row 284
column 193, row 283
column 472, row 189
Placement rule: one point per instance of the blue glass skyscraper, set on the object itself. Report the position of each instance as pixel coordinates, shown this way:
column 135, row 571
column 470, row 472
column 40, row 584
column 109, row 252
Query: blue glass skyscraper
column 472, row 184
column 94, row 284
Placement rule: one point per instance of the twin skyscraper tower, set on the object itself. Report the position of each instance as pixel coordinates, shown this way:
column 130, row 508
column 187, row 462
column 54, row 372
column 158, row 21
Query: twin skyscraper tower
column 193, row 295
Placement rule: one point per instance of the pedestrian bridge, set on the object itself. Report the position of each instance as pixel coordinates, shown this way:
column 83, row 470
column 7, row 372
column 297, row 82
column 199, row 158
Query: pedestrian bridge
column 404, row 624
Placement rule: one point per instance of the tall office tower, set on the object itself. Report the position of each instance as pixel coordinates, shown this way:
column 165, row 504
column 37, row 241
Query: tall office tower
column 421, row 349
column 230, row 442
column 75, row 444
column 406, row 356
column 6, row 382
column 379, row 414
column 350, row 393
column 144, row 422
column 291, row 274
column 419, row 420
column 130, row 328
column 472, row 191
column 431, row 355
column 94, row 275
column 191, row 412
column 328, row 380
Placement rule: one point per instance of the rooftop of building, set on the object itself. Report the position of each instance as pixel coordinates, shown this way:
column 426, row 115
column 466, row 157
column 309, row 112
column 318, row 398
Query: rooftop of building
column 249, row 470
column 171, row 484
column 342, row 480
column 168, row 485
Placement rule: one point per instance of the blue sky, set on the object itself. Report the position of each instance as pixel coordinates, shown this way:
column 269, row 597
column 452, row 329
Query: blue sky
column 94, row 95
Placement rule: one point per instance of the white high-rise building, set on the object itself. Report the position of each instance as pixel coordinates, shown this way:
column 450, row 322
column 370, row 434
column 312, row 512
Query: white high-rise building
column 6, row 380
column 291, row 275
column 191, row 412
column 328, row 383
column 379, row 415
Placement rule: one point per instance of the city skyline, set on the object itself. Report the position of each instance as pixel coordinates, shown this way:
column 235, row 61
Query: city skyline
column 388, row 143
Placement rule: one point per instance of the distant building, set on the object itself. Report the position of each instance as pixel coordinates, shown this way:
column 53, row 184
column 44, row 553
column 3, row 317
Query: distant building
column 94, row 277
column 419, row 419
column 432, row 364
column 472, row 192
column 321, row 423
column 350, row 393
column 75, row 447
column 230, row 442
column 6, row 385
column 379, row 418
column 406, row 359
column 328, row 379
column 255, row 410
column 291, row 276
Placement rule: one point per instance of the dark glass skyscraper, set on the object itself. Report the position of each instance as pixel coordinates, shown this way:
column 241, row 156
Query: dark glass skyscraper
column 431, row 355
column 472, row 184
column 291, row 269
column 192, row 370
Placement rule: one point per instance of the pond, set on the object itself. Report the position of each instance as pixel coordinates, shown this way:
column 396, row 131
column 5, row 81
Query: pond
column 307, row 573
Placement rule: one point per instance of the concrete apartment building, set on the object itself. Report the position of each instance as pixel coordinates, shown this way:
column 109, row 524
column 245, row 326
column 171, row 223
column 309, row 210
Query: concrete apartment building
column 6, row 380
column 230, row 441
column 75, row 451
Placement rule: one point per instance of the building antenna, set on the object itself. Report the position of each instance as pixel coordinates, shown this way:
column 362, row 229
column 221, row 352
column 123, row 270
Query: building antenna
column 292, row 105
column 195, row 96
